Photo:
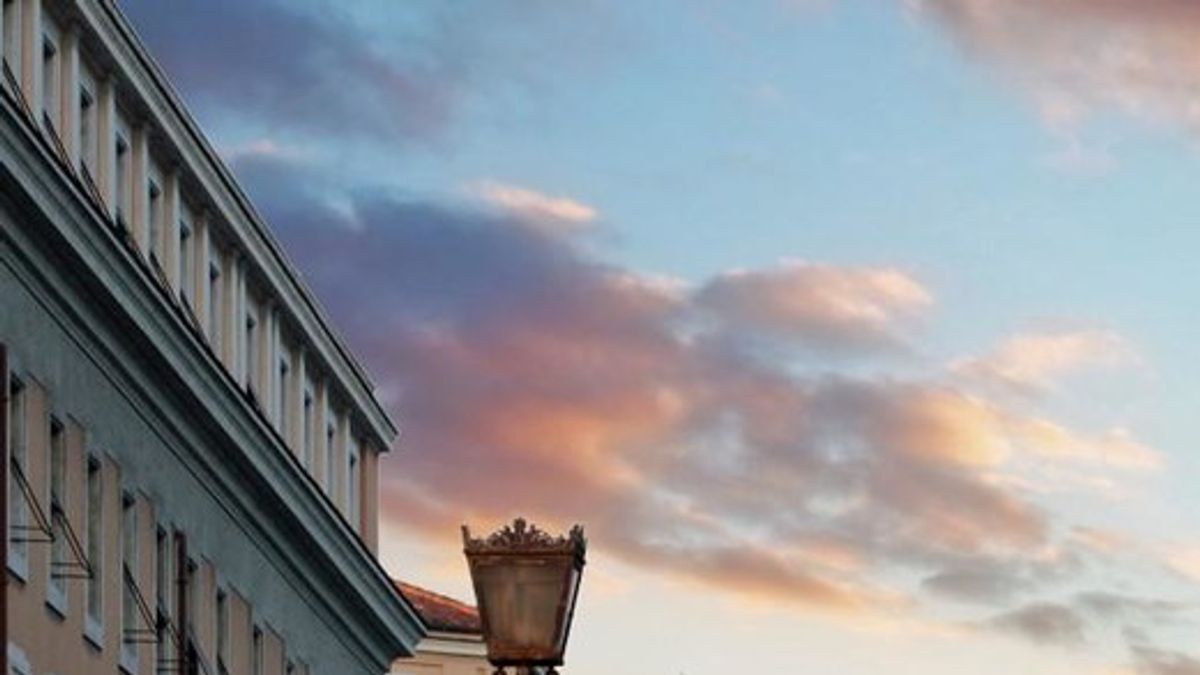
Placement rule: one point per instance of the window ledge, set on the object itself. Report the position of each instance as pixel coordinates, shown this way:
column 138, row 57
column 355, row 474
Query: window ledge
column 56, row 600
column 128, row 664
column 18, row 661
column 93, row 632
column 18, row 566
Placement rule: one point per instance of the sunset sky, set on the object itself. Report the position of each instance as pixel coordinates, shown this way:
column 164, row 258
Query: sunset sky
column 861, row 335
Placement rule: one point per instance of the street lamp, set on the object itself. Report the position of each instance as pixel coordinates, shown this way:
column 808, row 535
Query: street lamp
column 526, row 582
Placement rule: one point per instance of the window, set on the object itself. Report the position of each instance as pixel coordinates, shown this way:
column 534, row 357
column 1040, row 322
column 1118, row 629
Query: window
column 129, row 609
column 352, row 483
column 216, row 301
column 50, row 82
column 163, row 570
column 56, row 588
column 193, row 599
column 186, row 282
column 121, row 182
column 18, row 550
column 87, row 133
column 154, row 221
column 12, row 36
column 250, row 350
column 281, row 396
column 95, row 541
column 309, row 430
column 222, row 632
column 256, row 654
column 330, row 451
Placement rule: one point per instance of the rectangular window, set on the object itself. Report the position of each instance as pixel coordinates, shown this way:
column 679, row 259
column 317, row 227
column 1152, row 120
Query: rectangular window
column 56, row 588
column 281, row 397
column 87, row 134
column 50, row 82
column 95, row 540
column 250, row 351
column 352, row 483
column 18, row 518
column 184, row 270
column 216, row 301
column 193, row 599
column 163, row 569
column 121, row 182
column 12, row 37
column 256, row 652
column 330, row 452
column 128, row 571
column 309, row 431
column 154, row 224
column 222, row 632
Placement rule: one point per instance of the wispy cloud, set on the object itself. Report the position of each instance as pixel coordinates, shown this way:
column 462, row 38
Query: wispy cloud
column 1033, row 362
column 1075, row 57
column 553, row 213
column 818, row 304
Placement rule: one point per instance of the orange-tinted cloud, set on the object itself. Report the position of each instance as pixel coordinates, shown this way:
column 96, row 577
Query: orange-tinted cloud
column 532, row 379
column 539, row 209
column 1034, row 361
column 815, row 303
column 1139, row 57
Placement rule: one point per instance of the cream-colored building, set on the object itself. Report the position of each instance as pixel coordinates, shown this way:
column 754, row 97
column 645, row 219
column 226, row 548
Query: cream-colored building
column 454, row 642
column 193, row 451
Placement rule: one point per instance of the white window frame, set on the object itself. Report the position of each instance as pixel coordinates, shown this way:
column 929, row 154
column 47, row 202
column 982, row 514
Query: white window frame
column 87, row 118
column 12, row 36
column 18, row 510
column 308, row 422
column 221, row 632
column 56, row 586
column 129, row 560
column 185, row 265
column 18, row 660
column 353, row 482
column 154, row 218
column 51, row 57
column 93, row 628
column 215, row 280
column 122, row 173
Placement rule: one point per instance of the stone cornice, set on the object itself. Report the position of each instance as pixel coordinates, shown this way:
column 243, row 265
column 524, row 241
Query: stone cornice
column 105, row 22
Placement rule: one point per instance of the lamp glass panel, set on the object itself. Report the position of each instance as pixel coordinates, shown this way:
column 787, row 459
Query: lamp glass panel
column 521, row 599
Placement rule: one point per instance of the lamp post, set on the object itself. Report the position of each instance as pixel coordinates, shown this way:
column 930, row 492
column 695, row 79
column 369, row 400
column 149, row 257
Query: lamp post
column 526, row 583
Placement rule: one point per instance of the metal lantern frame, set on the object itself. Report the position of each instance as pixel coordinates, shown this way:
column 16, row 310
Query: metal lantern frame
column 501, row 558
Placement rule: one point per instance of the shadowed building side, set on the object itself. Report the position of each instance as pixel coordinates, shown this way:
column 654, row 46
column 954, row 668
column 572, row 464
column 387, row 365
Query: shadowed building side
column 194, row 452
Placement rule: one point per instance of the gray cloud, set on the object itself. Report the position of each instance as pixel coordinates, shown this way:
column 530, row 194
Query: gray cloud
column 281, row 63
column 1043, row 623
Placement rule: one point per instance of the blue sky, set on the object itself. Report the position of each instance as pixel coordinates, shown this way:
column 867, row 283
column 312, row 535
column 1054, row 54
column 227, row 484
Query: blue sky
column 838, row 322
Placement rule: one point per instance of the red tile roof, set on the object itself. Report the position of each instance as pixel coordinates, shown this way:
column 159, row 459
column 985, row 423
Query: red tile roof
column 440, row 613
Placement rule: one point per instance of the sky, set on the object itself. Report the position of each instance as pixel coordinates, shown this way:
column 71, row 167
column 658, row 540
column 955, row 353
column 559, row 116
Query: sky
column 857, row 333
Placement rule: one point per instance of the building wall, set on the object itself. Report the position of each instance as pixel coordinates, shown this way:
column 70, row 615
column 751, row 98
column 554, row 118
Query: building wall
column 146, row 387
column 84, row 36
column 446, row 654
column 135, row 458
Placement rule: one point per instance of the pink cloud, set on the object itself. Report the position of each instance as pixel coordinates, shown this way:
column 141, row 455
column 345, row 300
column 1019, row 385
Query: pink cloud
column 1139, row 57
column 818, row 304
column 1035, row 361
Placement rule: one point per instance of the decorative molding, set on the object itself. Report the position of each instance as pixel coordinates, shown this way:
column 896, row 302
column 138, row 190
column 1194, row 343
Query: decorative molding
column 524, row 537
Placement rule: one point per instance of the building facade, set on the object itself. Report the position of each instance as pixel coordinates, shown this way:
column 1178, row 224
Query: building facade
column 453, row 644
column 191, row 451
